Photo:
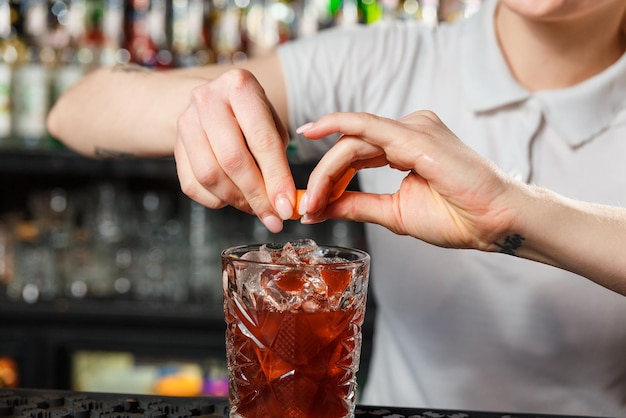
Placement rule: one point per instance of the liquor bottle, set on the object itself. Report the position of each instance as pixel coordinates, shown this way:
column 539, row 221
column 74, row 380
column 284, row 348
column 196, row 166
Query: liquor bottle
column 430, row 12
column 139, row 42
column 31, row 97
column 6, row 71
column 451, row 10
column 190, row 45
column 343, row 12
column 370, row 11
column 34, row 21
column 228, row 38
column 113, row 33
column 31, row 80
column 307, row 18
column 159, row 15
column 261, row 27
column 410, row 10
column 390, row 9
column 92, row 40
column 61, row 51
column 66, row 73
column 12, row 50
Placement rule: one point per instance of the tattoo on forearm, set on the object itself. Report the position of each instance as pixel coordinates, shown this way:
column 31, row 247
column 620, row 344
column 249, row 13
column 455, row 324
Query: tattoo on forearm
column 130, row 68
column 107, row 154
column 511, row 243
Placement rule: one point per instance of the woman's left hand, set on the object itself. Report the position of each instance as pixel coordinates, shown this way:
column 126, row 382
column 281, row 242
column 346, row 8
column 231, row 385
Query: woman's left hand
column 451, row 196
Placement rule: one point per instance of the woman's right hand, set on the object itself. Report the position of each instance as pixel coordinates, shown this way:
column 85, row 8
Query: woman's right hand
column 230, row 150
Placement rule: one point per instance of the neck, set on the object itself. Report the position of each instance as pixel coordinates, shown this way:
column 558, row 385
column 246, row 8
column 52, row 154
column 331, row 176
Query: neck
column 545, row 55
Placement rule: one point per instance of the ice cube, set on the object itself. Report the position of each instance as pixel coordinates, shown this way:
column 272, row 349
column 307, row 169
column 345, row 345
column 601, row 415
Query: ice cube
column 289, row 255
column 249, row 275
column 310, row 306
column 260, row 256
column 282, row 290
column 319, row 257
column 293, row 252
column 288, row 289
column 315, row 293
column 304, row 248
column 316, row 285
column 274, row 249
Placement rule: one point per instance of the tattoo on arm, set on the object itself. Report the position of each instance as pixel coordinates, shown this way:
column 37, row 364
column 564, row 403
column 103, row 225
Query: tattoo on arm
column 107, row 154
column 511, row 243
column 130, row 68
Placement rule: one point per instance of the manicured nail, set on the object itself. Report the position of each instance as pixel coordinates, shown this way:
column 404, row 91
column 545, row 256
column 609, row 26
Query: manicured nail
column 273, row 223
column 304, row 203
column 284, row 207
column 309, row 220
column 304, row 127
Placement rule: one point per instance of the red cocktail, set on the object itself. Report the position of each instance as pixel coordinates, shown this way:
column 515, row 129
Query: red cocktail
column 294, row 330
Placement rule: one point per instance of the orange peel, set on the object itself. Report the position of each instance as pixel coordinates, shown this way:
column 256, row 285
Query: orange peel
column 335, row 193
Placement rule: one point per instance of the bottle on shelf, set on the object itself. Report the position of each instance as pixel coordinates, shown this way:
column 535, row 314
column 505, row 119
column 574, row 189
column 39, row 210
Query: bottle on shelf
column 113, row 50
column 12, row 51
column 31, row 96
column 159, row 18
column 139, row 43
column 227, row 40
column 189, row 38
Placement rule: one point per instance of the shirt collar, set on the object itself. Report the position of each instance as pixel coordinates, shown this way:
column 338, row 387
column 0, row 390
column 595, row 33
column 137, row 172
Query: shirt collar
column 577, row 113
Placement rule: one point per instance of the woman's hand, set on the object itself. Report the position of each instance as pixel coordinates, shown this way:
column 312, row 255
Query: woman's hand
column 231, row 150
column 228, row 140
column 451, row 196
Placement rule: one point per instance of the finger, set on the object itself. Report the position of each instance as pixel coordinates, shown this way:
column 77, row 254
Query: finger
column 296, row 213
column 361, row 207
column 336, row 191
column 340, row 185
column 206, row 181
column 405, row 145
column 337, row 166
column 421, row 143
column 266, row 138
column 420, row 114
column 235, row 160
column 188, row 182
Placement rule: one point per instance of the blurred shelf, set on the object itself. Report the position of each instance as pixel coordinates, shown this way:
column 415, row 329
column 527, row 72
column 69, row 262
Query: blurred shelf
column 62, row 162
column 66, row 162
column 121, row 313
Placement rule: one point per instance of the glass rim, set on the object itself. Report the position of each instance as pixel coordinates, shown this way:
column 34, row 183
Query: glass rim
column 363, row 256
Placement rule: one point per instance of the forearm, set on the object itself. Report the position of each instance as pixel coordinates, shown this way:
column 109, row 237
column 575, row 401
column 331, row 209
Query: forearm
column 585, row 238
column 134, row 111
column 122, row 110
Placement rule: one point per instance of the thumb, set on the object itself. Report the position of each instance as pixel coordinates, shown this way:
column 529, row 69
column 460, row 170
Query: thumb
column 360, row 207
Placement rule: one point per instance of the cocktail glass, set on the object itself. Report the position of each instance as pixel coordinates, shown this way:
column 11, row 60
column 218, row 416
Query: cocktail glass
column 293, row 339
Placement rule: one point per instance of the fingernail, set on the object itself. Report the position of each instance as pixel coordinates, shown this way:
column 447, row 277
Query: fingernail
column 273, row 223
column 304, row 127
column 284, row 207
column 304, row 203
column 309, row 220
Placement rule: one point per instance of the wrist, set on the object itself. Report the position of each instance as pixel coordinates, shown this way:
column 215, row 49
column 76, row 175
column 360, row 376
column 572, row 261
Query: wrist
column 581, row 237
column 548, row 228
column 522, row 235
